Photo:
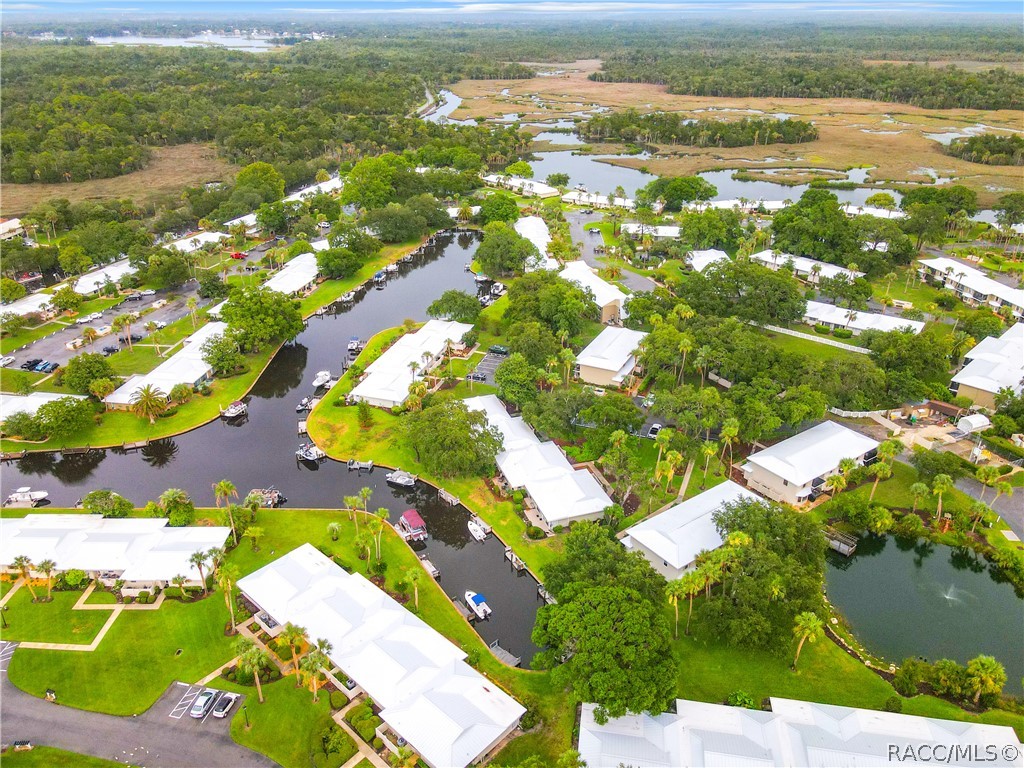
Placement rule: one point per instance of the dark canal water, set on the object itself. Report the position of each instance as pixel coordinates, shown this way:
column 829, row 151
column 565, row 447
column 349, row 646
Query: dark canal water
column 925, row 600
column 261, row 451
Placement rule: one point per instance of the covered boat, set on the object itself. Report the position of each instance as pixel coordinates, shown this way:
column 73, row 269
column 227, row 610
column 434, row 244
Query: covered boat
column 233, row 411
column 411, row 526
column 25, row 497
column 400, row 477
column 309, row 452
column 321, row 378
column 477, row 604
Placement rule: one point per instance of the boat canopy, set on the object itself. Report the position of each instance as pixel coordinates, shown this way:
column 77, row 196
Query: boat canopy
column 479, row 599
column 413, row 519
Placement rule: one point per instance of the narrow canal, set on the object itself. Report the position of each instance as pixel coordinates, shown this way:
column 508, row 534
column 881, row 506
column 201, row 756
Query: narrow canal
column 261, row 451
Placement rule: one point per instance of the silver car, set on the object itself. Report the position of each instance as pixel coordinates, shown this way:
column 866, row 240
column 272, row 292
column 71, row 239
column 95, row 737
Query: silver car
column 201, row 706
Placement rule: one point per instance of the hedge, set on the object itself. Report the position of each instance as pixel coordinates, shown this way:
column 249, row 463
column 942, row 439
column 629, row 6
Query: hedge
column 1002, row 446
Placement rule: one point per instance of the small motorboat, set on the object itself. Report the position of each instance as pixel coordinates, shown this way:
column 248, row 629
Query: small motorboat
column 469, row 267
column 401, row 478
column 477, row 604
column 391, row 269
column 233, row 411
column 407, row 259
column 380, row 277
column 480, row 277
column 321, row 378
column 304, row 405
column 476, row 530
column 25, row 497
column 269, row 497
column 309, row 452
column 497, row 289
column 354, row 344
column 348, row 298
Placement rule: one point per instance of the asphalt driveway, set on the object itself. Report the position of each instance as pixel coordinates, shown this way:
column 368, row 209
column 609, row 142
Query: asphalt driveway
column 577, row 223
column 162, row 737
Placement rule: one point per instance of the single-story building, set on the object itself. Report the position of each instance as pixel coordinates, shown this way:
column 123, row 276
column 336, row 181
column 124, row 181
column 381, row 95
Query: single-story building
column 535, row 229
column 296, row 276
column 995, row 363
column 30, row 403
column 430, row 698
column 11, row 228
column 186, row 366
column 866, row 210
column 597, row 200
column 855, row 320
column 671, row 540
column 197, row 240
column 328, row 187
column 795, row 469
column 610, row 299
column 521, row 186
column 656, row 231
column 454, row 212
column 793, row 733
column 701, row 260
column 143, row 552
column 252, row 226
column 735, row 204
column 560, row 493
column 973, row 286
column 95, row 279
column 610, row 358
column 388, row 378
column 32, row 304
column 809, row 270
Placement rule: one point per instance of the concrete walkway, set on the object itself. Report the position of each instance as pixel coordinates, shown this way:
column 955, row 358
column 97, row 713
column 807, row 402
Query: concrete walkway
column 216, row 673
column 362, row 746
column 17, row 585
column 686, row 480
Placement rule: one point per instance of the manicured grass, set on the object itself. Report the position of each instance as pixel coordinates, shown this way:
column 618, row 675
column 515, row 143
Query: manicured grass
column 918, row 293
column 364, row 763
column 699, row 482
column 808, row 347
column 135, row 662
column 11, row 342
column 51, row 757
column 101, row 597
column 52, row 622
column 461, row 366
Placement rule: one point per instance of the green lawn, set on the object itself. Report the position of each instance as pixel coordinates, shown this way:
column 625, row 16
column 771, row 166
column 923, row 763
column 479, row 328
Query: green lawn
column 52, row 622
column 136, row 660
column 364, row 763
column 101, row 597
column 51, row 757
column 808, row 347
column 11, row 342
column 918, row 293
column 699, row 482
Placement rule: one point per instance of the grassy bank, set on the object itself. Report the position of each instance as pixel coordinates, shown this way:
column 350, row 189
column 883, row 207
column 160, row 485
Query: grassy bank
column 51, row 757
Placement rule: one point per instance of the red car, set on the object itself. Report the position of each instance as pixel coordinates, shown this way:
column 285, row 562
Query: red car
column 237, row 255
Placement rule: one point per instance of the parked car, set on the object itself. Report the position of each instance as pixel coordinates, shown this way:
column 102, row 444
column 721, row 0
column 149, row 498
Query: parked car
column 50, row 367
column 160, row 325
column 110, row 350
column 28, row 365
column 498, row 350
column 5, row 361
column 476, row 377
column 224, row 705
column 237, row 255
column 201, row 706
column 148, row 292
column 653, row 431
column 599, row 391
column 135, row 337
column 40, row 366
column 134, row 297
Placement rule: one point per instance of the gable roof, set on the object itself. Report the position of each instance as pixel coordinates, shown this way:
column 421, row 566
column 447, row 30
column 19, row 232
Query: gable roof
column 996, row 362
column 605, row 293
column 701, row 260
column 613, row 350
column 813, row 452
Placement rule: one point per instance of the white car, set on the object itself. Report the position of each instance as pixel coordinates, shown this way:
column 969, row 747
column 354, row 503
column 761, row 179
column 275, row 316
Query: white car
column 160, row 325
column 6, row 360
column 653, row 431
column 148, row 292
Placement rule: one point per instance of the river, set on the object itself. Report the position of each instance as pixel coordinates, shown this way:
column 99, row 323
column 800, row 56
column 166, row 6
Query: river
column 261, row 451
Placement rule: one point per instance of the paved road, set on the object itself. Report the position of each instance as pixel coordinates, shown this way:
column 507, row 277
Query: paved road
column 162, row 737
column 1010, row 508
column 577, row 221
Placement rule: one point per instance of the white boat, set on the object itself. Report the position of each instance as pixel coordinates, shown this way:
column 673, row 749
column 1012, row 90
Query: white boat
column 25, row 497
column 321, row 378
column 391, row 268
column 399, row 477
column 233, row 411
column 407, row 259
column 304, row 405
column 497, row 289
column 476, row 530
column 309, row 452
column 480, row 277
column 469, row 267
column 477, row 604
column 348, row 298
column 354, row 344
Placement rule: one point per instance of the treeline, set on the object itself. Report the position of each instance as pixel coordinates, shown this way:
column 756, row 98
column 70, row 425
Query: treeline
column 989, row 149
column 675, row 128
column 775, row 75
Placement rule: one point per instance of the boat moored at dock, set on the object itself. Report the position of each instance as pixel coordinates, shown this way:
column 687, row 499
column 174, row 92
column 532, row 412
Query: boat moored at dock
column 235, row 410
column 478, row 604
column 25, row 497
column 401, row 478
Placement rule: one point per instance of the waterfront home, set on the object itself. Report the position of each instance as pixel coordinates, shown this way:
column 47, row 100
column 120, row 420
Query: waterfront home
column 996, row 363
column 521, row 186
column 656, row 231
column 559, row 493
column 609, row 359
column 973, row 286
column 866, row 210
column 792, row 733
column 429, row 697
column 328, row 187
column 297, row 276
column 11, row 228
column 610, row 299
column 796, row 469
column 535, row 229
column 95, row 279
column 30, row 403
column 597, row 200
column 142, row 552
column 252, row 226
column 855, row 320
column 701, row 260
column 671, row 540
column 195, row 241
column 808, row 270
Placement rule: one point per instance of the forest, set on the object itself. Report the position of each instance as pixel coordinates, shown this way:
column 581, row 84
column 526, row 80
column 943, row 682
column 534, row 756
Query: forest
column 989, row 149
column 674, row 128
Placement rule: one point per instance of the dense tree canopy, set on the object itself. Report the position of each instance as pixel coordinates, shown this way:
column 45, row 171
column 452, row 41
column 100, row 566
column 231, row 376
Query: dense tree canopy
column 450, row 440
column 455, row 305
column 989, row 149
column 504, row 251
column 259, row 316
column 678, row 128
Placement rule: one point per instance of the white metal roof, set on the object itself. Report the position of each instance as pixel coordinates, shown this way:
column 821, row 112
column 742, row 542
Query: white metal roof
column 793, row 733
column 802, row 265
column 535, row 229
column 813, row 452
column 605, row 293
column 26, row 305
column 996, row 362
column 975, row 280
column 526, row 187
column 295, row 275
column 249, row 220
column 858, row 320
column 866, row 210
column 447, row 711
column 9, row 228
column 196, row 241
column 701, row 260
column 140, row 549
column 30, row 403
column 331, row 185
column 658, row 232
column 389, row 376
column 614, row 349
column 186, row 366
column 562, row 494
column 578, row 197
column 92, row 281
column 680, row 533
column 454, row 212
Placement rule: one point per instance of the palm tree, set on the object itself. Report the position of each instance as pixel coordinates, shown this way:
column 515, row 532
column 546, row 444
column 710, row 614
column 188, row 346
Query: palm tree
column 979, row 510
column 888, row 281
column 364, row 495
column 253, row 659
column 223, row 491
column 1002, row 488
column 846, row 466
column 414, row 576
column 881, row 471
column 352, row 504
column 568, row 358
column 48, row 567
column 835, row 484
column 673, row 459
column 987, row 476
column 24, row 564
column 124, row 323
column 148, row 402
column 334, row 529
column 192, row 304
column 179, row 582
column 662, row 439
column 254, row 532
column 292, row 635
column 708, row 449
column 312, row 663
column 807, row 627
column 692, row 583
column 985, row 675
column 941, row 485
column 89, row 335
column 253, row 502
column 227, row 576
column 364, row 543
column 675, row 590
column 889, row 450
column 686, row 345
column 152, row 329
column 960, row 342
column 382, row 515
column 198, row 559
column 918, row 491
column 729, row 434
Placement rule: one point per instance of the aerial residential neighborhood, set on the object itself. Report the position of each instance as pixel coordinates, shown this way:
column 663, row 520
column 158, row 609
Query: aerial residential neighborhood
column 526, row 385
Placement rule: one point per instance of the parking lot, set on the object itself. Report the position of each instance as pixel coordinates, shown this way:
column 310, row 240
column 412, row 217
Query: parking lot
column 180, row 708
column 488, row 366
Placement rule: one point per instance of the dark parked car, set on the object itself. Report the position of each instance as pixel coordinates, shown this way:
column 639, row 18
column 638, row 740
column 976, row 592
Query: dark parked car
column 498, row 350
column 135, row 337
column 50, row 367
column 111, row 350
column 134, row 297
column 476, row 377
column 28, row 365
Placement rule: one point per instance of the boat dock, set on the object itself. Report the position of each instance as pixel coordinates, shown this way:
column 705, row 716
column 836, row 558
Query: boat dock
column 513, row 558
column 483, row 526
column 843, row 543
column 13, row 455
column 462, row 608
column 506, row 657
column 544, row 595
column 134, row 446
column 448, row 498
column 302, row 427
column 74, row 451
column 429, row 567
column 359, row 466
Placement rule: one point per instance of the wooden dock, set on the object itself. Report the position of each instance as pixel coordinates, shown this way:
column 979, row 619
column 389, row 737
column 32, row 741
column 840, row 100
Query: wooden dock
column 430, row 567
column 513, row 558
column 504, row 656
column 483, row 526
column 544, row 595
column 448, row 498
column 75, row 451
column 462, row 608
column 13, row 455
column 302, row 427
column 134, row 446
column 843, row 543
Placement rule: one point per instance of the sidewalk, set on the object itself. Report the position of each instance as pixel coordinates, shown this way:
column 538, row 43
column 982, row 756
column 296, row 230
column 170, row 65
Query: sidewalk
column 362, row 746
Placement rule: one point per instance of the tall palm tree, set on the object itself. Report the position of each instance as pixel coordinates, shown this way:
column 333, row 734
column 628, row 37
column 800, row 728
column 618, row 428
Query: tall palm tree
column 414, row 575
column 148, row 402
column 151, row 329
column 223, row 491
column 89, row 335
column 24, row 565
column 253, row 502
column 979, row 510
column 692, row 583
column 1003, row 488
column 985, row 675
column 808, row 627
column 215, row 556
column 191, row 303
column 889, row 450
column 673, row 459
column 835, row 483
column 568, row 359
column 125, row 321
column 382, row 515
column 312, row 663
column 881, row 471
column 198, row 559
column 48, row 567
column 729, row 435
column 940, row 486
column 253, row 659
column 987, row 476
column 352, row 504
column 686, row 344
column 662, row 439
column 708, row 449
column 846, row 466
column 227, row 576
column 918, row 491
column 675, row 590
column 364, row 495
column 364, row 543
column 292, row 635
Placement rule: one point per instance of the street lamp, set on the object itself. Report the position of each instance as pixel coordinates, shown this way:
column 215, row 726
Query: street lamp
column 245, row 711
column 3, row 617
